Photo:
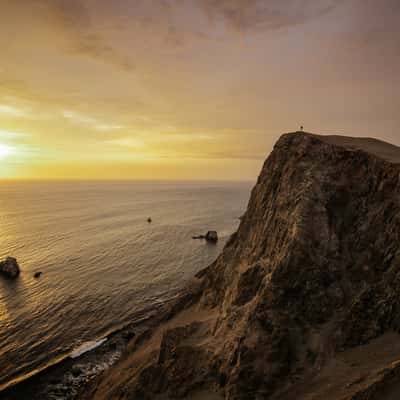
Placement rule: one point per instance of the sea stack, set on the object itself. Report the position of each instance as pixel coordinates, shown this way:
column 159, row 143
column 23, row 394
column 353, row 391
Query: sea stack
column 211, row 236
column 10, row 268
column 303, row 302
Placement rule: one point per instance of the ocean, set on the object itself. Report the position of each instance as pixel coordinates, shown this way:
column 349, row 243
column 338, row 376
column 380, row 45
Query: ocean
column 101, row 261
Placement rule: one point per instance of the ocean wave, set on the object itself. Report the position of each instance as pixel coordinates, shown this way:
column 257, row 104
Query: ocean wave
column 87, row 346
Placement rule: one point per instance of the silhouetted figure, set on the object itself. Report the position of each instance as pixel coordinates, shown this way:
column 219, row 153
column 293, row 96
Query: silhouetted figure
column 301, row 128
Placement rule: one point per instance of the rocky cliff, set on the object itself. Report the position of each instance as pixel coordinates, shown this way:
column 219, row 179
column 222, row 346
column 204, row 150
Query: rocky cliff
column 304, row 301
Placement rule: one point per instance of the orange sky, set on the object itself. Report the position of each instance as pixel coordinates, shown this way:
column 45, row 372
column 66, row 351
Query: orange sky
column 188, row 89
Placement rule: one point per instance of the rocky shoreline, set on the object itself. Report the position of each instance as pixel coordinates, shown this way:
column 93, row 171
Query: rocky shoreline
column 71, row 378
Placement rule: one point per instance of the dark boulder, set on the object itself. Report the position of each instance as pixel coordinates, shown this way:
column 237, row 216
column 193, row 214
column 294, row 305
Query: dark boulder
column 212, row 236
column 10, row 268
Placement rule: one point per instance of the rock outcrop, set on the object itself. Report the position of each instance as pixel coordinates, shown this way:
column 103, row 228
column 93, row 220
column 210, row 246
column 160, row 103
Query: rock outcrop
column 9, row 267
column 210, row 236
column 311, row 277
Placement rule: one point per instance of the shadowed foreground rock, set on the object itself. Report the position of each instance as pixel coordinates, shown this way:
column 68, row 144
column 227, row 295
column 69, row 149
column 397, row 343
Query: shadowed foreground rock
column 303, row 302
column 9, row 267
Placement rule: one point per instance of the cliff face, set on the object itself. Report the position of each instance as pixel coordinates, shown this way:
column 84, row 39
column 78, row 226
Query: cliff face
column 313, row 271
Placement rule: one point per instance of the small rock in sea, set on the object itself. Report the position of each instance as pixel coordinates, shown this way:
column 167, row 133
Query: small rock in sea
column 9, row 267
column 212, row 236
column 37, row 274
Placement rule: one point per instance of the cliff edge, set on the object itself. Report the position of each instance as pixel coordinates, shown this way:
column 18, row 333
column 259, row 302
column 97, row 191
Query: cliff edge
column 303, row 302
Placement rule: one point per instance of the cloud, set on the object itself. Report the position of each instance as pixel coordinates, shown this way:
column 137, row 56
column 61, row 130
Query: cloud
column 6, row 134
column 14, row 87
column 109, row 32
column 74, row 19
column 175, row 23
column 367, row 44
column 128, row 142
column 182, row 22
column 6, row 150
column 216, row 156
column 88, row 121
column 17, row 151
column 94, row 46
column 12, row 111
column 183, row 137
column 142, row 140
column 11, row 145
column 249, row 15
column 377, row 24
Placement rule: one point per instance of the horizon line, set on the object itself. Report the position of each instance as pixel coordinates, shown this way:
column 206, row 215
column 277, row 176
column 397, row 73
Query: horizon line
column 37, row 180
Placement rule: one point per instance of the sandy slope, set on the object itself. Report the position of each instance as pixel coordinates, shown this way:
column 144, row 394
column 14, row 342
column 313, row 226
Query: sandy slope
column 364, row 372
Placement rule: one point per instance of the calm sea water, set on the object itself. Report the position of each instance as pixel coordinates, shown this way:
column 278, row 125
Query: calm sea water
column 101, row 261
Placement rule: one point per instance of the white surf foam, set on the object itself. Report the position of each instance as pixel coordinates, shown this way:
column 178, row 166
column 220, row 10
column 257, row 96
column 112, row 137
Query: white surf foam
column 87, row 346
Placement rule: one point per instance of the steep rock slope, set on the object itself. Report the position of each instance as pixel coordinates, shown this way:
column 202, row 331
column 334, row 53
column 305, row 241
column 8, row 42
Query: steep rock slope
column 312, row 272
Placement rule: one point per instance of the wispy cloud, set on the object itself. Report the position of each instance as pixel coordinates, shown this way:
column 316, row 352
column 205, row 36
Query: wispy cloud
column 6, row 150
column 12, row 111
column 17, row 153
column 246, row 15
column 128, row 142
column 74, row 18
column 94, row 46
column 140, row 141
column 89, row 121
column 184, row 137
column 174, row 23
column 6, row 134
column 12, row 146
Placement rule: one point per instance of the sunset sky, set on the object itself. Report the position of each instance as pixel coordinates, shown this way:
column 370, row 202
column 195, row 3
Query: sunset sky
column 188, row 89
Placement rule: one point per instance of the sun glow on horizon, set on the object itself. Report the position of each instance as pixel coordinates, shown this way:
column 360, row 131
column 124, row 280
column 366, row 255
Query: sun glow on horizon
column 6, row 150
